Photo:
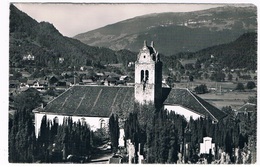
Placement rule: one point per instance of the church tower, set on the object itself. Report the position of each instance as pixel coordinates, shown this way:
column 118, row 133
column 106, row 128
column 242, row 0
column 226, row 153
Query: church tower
column 148, row 76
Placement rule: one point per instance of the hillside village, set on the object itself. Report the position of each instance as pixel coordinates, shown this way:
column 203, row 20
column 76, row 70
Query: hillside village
column 95, row 105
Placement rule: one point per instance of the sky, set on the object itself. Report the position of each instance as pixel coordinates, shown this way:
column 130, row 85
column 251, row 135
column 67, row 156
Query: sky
column 72, row 19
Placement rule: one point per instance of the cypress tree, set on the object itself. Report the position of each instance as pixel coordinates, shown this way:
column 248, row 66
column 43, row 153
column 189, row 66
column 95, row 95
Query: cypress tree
column 114, row 131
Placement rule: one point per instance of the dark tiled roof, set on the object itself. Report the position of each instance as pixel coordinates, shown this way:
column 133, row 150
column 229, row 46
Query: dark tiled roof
column 92, row 101
column 187, row 99
column 151, row 49
column 13, row 82
column 31, row 82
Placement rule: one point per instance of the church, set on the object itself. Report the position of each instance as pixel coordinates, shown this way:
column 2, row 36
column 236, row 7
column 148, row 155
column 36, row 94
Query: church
column 94, row 103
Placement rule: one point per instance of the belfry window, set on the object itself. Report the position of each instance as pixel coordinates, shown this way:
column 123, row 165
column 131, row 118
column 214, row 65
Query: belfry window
column 146, row 75
column 142, row 75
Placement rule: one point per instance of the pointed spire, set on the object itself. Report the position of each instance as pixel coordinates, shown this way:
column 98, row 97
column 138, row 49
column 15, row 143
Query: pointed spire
column 145, row 43
column 152, row 44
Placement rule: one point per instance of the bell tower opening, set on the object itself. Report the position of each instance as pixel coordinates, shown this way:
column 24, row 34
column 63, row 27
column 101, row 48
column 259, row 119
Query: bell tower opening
column 148, row 75
column 142, row 75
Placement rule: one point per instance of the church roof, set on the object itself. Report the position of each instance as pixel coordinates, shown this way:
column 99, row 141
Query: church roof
column 92, row 101
column 98, row 101
column 187, row 99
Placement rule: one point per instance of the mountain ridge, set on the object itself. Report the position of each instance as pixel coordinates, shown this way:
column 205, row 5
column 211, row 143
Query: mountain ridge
column 47, row 45
column 226, row 22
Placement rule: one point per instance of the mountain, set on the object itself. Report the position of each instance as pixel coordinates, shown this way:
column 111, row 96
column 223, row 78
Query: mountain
column 238, row 54
column 241, row 53
column 47, row 45
column 44, row 41
column 176, row 32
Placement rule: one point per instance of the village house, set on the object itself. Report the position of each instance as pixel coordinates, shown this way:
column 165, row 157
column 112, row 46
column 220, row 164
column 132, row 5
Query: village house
column 37, row 84
column 28, row 57
column 25, row 74
column 14, row 84
column 246, row 110
column 94, row 104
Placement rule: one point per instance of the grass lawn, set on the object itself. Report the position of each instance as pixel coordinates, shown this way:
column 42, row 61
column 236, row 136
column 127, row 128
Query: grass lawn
column 227, row 97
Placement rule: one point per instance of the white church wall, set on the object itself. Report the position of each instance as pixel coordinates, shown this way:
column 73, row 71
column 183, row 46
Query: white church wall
column 94, row 122
column 182, row 111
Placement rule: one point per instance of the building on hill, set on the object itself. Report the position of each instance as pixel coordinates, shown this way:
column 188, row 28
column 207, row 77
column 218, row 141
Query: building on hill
column 94, row 104
column 246, row 109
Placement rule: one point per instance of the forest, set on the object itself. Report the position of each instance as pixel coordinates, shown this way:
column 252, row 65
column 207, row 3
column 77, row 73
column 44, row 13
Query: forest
column 163, row 136
column 54, row 143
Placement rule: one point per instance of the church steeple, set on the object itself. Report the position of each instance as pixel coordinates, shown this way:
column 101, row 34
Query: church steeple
column 148, row 76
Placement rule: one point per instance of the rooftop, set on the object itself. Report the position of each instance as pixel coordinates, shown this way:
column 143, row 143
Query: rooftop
column 187, row 99
column 248, row 107
column 92, row 101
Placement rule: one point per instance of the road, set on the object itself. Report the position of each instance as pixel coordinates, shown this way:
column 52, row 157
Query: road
column 101, row 158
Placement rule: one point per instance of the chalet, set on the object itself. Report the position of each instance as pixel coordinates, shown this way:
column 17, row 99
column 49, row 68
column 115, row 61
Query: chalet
column 13, row 84
column 94, row 104
column 121, row 82
column 28, row 57
column 62, row 84
column 52, row 79
column 123, row 78
column 37, row 84
column 61, row 59
column 110, row 81
column 99, row 74
column 31, row 83
column 87, row 81
column 25, row 74
column 111, row 75
column 246, row 109
column 67, row 74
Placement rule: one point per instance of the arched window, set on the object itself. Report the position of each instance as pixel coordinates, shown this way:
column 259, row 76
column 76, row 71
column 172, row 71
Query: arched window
column 102, row 123
column 142, row 75
column 146, row 75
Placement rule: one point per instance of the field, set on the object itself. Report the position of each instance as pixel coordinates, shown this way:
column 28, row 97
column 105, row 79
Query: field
column 221, row 93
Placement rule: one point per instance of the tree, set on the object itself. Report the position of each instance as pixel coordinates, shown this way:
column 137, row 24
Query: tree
column 250, row 85
column 206, row 75
column 29, row 100
column 230, row 77
column 201, row 89
column 22, row 140
column 240, row 86
column 219, row 76
column 252, row 99
column 17, row 75
column 114, row 131
column 169, row 81
column 191, row 78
